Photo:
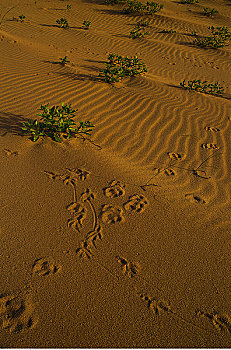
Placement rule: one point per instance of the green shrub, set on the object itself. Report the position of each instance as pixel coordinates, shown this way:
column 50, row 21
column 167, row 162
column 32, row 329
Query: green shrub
column 203, row 86
column 142, row 23
column 57, row 123
column 209, row 12
column 63, row 60
column 119, row 67
column 135, row 6
column 62, row 22
column 137, row 32
column 219, row 38
column 21, row 17
column 86, row 24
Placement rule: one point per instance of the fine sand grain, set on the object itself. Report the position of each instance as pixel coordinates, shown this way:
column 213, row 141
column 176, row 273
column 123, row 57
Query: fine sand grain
column 127, row 245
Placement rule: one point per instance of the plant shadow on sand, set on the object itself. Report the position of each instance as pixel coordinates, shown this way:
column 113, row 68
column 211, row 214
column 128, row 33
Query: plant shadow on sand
column 11, row 123
column 57, row 26
column 81, row 77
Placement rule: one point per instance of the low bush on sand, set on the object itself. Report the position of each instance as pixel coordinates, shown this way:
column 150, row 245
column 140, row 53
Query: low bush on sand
column 119, row 67
column 203, row 86
column 57, row 123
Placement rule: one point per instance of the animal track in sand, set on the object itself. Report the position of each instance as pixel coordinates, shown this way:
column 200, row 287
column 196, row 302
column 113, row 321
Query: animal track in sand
column 194, row 199
column 155, row 305
column 130, row 269
column 115, row 189
column 220, row 322
column 164, row 171
column 17, row 312
column 211, row 129
column 45, row 267
column 209, row 146
column 10, row 153
column 111, row 215
column 176, row 156
column 136, row 203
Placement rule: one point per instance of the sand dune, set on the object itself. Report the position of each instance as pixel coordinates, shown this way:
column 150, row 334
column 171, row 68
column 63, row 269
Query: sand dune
column 123, row 241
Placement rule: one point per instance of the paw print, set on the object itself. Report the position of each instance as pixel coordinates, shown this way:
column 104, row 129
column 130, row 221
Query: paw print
column 111, row 215
column 136, row 203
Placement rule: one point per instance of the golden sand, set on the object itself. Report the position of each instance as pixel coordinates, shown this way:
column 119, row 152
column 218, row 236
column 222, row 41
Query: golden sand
column 128, row 245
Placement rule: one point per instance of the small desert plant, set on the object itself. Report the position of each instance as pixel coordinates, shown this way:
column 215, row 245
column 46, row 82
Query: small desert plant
column 189, row 2
column 57, row 123
column 68, row 7
column 86, row 24
column 21, row 18
column 119, row 67
column 137, row 32
column 209, row 12
column 62, row 22
column 203, row 86
column 135, row 6
column 142, row 23
column 219, row 38
column 63, row 60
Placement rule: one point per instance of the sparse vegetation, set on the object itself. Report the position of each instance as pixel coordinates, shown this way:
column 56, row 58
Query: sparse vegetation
column 135, row 6
column 138, row 32
column 62, row 22
column 56, row 123
column 219, row 38
column 203, row 86
column 86, row 24
column 21, row 18
column 63, row 60
column 209, row 12
column 68, row 6
column 119, row 67
column 143, row 23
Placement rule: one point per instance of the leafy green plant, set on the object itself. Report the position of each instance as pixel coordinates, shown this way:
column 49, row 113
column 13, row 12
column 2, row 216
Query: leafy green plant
column 63, row 60
column 137, row 32
column 135, row 6
column 143, row 23
column 3, row 15
column 219, row 38
column 68, row 6
column 62, row 22
column 209, row 12
column 86, row 24
column 203, row 86
column 21, row 17
column 56, row 123
column 119, row 67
